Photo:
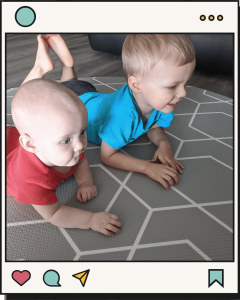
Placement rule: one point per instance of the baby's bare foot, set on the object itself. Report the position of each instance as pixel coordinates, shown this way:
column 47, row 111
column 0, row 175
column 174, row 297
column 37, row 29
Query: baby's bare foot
column 57, row 44
column 43, row 62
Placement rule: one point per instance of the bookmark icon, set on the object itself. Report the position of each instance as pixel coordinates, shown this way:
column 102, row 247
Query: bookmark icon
column 215, row 275
column 82, row 276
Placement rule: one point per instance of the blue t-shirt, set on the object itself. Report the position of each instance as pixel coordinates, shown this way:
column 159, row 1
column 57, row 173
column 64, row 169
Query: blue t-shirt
column 115, row 118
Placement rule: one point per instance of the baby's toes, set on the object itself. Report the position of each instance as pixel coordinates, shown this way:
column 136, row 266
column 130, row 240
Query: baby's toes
column 39, row 37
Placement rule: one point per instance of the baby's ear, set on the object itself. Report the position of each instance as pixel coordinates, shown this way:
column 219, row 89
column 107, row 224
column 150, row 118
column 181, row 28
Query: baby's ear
column 27, row 143
column 134, row 84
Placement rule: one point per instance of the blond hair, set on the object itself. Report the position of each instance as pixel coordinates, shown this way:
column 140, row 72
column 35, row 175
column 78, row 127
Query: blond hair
column 38, row 96
column 141, row 52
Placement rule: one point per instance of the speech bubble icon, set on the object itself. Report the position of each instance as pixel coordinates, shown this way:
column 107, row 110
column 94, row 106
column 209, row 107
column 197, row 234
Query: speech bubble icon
column 51, row 278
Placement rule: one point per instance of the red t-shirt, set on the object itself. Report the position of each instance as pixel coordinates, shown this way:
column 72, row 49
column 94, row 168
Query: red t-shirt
column 28, row 179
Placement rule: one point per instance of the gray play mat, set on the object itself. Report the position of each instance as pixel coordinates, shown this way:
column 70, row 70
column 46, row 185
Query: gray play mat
column 192, row 221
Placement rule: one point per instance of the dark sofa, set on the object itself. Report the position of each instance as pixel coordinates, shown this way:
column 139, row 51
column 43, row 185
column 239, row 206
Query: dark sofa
column 214, row 52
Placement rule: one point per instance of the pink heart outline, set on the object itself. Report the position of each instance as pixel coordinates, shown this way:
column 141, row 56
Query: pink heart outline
column 21, row 277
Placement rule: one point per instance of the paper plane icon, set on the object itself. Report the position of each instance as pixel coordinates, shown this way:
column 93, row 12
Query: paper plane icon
column 82, row 276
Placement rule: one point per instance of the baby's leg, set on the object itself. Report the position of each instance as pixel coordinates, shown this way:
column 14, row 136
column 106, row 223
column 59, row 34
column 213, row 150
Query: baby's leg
column 43, row 62
column 57, row 44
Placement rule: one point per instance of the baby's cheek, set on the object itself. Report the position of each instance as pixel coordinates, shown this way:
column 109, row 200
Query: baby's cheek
column 63, row 156
column 85, row 141
column 166, row 100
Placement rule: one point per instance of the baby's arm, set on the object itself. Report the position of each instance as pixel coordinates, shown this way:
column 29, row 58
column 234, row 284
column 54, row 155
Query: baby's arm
column 164, row 153
column 82, row 173
column 157, row 135
column 70, row 217
column 116, row 159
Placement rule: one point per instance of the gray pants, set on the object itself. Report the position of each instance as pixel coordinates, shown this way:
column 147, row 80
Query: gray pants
column 79, row 87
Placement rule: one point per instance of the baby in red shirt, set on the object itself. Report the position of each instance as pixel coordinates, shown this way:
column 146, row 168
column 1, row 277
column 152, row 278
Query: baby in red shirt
column 48, row 144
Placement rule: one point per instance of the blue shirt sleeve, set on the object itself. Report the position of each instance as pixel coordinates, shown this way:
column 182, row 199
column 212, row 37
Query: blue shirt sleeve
column 118, row 128
column 165, row 120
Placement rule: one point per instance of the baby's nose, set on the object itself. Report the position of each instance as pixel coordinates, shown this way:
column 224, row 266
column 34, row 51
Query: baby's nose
column 78, row 145
column 182, row 93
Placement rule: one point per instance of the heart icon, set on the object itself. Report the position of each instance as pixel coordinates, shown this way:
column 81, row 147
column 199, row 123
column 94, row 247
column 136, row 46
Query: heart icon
column 21, row 277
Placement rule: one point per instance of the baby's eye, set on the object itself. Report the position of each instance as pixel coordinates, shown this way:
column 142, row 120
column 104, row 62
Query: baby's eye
column 172, row 87
column 82, row 133
column 65, row 142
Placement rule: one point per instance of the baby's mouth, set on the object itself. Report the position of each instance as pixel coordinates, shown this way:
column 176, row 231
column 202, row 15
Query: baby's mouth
column 174, row 104
column 79, row 154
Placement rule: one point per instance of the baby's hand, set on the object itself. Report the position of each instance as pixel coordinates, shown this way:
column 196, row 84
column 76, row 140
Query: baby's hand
column 103, row 222
column 161, row 173
column 165, row 155
column 86, row 191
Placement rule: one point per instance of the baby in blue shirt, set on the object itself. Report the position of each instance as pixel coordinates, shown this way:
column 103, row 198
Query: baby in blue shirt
column 157, row 67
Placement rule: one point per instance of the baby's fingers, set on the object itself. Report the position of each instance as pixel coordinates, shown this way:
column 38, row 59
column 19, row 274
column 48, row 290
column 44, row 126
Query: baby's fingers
column 179, row 164
column 178, row 168
column 169, row 179
column 90, row 194
column 171, row 164
column 115, row 223
column 85, row 197
column 79, row 197
column 164, row 162
column 114, row 217
column 106, row 232
column 113, row 228
column 174, row 174
column 164, row 183
column 155, row 157
column 94, row 192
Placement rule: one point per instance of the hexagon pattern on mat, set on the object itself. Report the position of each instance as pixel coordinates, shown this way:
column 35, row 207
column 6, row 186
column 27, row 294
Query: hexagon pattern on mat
column 192, row 221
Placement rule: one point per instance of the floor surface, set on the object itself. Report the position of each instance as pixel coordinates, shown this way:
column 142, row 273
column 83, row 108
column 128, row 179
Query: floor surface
column 192, row 221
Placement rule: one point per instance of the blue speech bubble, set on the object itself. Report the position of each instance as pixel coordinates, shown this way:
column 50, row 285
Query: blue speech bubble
column 51, row 278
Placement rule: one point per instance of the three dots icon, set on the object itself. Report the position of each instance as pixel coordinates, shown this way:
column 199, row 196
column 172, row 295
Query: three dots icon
column 211, row 17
